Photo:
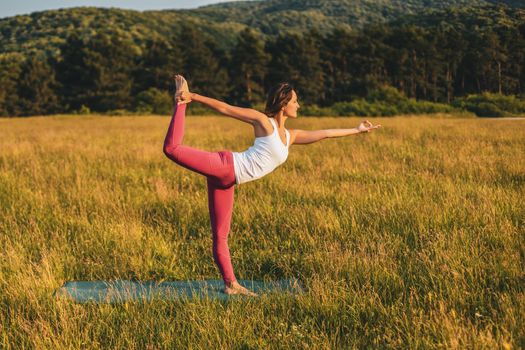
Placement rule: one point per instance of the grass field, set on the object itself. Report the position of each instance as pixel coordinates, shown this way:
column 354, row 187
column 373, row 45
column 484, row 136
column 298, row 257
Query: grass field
column 409, row 237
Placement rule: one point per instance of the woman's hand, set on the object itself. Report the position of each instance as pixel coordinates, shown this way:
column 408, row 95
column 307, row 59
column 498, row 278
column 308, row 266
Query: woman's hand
column 366, row 126
column 184, row 97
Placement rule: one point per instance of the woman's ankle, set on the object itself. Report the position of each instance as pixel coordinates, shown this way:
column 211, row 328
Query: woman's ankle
column 231, row 284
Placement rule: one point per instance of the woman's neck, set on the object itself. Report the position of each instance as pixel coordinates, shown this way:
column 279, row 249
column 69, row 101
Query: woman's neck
column 280, row 118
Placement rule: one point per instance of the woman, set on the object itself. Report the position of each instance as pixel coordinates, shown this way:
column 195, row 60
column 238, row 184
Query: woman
column 225, row 169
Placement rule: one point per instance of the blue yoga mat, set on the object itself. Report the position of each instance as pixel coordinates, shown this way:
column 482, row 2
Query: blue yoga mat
column 123, row 290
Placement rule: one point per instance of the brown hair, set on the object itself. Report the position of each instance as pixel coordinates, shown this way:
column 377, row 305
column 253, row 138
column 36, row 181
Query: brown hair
column 278, row 96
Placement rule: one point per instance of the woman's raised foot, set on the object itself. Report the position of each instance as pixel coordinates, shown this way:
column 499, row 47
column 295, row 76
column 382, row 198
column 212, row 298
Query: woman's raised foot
column 182, row 92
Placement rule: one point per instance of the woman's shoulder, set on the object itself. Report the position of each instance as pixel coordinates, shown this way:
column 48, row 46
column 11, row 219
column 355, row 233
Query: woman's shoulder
column 264, row 127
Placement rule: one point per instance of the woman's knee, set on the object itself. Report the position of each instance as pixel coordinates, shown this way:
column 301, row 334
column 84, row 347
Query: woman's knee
column 171, row 151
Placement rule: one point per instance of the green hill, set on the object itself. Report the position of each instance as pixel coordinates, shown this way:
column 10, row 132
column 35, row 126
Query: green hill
column 48, row 29
column 273, row 16
column 45, row 31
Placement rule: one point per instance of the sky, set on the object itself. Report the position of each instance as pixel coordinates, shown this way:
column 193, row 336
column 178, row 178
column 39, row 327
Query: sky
column 21, row 7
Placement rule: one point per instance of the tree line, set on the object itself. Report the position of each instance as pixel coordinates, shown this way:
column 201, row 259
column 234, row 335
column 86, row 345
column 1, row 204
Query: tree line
column 437, row 63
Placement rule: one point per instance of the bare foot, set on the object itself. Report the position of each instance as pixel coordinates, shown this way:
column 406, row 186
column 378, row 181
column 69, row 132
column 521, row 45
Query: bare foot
column 182, row 92
column 236, row 289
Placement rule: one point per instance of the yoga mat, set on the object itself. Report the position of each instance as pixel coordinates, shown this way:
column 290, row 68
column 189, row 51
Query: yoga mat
column 122, row 290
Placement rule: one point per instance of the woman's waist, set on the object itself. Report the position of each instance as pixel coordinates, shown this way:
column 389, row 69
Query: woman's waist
column 261, row 159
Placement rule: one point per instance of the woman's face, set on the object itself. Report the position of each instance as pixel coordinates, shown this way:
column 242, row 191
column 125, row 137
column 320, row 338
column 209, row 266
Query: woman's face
column 290, row 110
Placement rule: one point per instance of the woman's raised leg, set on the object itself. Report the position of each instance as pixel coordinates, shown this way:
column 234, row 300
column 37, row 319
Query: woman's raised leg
column 202, row 162
column 218, row 165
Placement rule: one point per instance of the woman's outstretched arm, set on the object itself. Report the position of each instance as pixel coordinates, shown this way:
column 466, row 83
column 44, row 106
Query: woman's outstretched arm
column 303, row 137
column 247, row 115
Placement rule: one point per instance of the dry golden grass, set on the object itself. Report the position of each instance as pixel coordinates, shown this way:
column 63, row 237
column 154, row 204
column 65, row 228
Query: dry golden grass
column 409, row 237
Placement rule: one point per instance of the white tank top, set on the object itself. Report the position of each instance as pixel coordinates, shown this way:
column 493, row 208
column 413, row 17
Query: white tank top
column 266, row 154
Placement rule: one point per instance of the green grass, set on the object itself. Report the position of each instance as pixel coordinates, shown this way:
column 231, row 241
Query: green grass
column 409, row 237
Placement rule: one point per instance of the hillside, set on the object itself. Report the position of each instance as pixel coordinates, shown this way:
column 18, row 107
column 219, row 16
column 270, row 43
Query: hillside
column 274, row 16
column 362, row 52
column 45, row 31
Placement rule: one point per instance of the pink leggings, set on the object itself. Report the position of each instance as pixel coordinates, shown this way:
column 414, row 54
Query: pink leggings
column 218, row 169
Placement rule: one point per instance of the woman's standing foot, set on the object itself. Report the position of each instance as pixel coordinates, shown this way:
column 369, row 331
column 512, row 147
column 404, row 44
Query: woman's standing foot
column 236, row 289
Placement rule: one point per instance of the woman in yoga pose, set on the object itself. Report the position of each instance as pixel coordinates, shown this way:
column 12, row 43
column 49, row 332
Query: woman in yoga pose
column 225, row 169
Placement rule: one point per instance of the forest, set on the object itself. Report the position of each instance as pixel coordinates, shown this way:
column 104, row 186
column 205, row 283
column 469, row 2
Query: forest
column 469, row 58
